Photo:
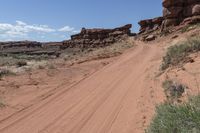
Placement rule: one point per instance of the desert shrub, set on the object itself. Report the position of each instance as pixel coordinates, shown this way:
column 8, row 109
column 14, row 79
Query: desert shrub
column 173, row 90
column 2, row 103
column 190, row 27
column 5, row 72
column 21, row 63
column 165, row 32
column 174, row 118
column 186, row 28
column 51, row 66
column 30, row 57
column 7, row 61
column 179, row 53
column 41, row 67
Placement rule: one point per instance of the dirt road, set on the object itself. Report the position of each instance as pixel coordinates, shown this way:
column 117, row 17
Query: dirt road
column 119, row 98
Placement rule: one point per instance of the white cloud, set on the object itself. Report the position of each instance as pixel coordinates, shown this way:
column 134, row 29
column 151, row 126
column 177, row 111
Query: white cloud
column 66, row 29
column 76, row 31
column 20, row 23
column 21, row 30
column 14, row 33
column 39, row 28
column 4, row 27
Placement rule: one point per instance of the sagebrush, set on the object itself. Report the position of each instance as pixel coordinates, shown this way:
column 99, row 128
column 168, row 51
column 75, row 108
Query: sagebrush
column 174, row 118
column 179, row 53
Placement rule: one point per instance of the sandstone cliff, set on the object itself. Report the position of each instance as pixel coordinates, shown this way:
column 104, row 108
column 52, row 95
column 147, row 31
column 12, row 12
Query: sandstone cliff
column 175, row 12
column 90, row 38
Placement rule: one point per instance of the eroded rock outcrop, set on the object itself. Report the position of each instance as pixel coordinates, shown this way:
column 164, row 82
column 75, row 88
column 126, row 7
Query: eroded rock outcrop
column 30, row 48
column 175, row 12
column 150, row 24
column 91, row 38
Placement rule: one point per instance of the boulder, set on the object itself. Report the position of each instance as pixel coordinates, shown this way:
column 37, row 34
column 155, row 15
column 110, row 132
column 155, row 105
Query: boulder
column 172, row 12
column 196, row 10
column 150, row 38
column 170, row 22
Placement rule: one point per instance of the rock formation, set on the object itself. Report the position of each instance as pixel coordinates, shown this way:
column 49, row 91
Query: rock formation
column 90, row 38
column 150, row 24
column 175, row 12
column 29, row 48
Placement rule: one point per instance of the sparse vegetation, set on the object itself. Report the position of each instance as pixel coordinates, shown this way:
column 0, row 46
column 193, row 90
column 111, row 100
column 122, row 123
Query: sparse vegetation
column 21, row 63
column 10, row 61
column 190, row 27
column 7, row 61
column 80, row 55
column 15, row 59
column 51, row 66
column 173, row 118
column 165, row 32
column 173, row 90
column 5, row 72
column 179, row 53
column 41, row 67
column 31, row 57
column 2, row 103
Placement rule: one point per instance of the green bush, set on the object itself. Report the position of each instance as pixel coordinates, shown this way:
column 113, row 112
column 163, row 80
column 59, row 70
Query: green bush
column 171, row 118
column 179, row 53
column 173, row 90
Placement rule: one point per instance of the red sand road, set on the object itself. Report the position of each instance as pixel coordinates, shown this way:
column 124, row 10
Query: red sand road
column 119, row 98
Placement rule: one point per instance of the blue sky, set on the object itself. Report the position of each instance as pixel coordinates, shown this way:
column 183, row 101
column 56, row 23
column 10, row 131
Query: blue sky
column 56, row 20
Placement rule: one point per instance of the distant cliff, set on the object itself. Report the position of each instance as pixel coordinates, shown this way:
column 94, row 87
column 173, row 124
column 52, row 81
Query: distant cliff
column 30, row 48
column 87, row 38
column 90, row 38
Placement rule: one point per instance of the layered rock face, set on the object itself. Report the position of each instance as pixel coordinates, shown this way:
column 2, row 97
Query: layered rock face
column 175, row 12
column 150, row 24
column 91, row 38
column 29, row 48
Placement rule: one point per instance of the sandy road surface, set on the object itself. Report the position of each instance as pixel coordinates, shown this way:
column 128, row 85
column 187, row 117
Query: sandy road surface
column 119, row 98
